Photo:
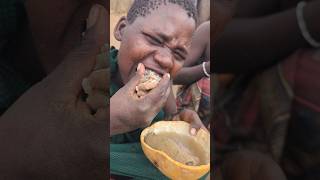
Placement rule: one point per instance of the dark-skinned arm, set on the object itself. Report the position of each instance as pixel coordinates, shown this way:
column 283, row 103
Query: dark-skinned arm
column 249, row 44
column 188, row 74
column 170, row 106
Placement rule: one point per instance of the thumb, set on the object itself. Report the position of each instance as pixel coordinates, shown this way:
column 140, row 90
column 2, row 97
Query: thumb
column 79, row 63
column 135, row 79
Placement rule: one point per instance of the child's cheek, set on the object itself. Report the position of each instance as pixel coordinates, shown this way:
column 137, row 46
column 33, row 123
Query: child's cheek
column 141, row 49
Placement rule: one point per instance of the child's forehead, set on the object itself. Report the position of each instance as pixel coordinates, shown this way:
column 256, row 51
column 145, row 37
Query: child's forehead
column 165, row 17
column 167, row 26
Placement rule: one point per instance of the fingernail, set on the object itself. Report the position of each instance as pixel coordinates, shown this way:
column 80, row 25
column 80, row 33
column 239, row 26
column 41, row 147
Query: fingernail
column 93, row 16
column 193, row 131
column 168, row 75
column 139, row 66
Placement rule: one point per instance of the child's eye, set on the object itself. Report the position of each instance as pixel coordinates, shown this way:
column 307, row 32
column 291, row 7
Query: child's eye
column 153, row 40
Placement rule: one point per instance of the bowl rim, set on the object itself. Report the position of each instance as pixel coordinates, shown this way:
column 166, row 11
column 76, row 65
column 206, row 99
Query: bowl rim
column 145, row 131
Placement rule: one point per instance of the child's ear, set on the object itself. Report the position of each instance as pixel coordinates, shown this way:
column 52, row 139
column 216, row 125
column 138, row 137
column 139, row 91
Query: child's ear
column 118, row 30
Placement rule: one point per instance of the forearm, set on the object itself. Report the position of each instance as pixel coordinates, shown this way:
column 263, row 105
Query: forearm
column 251, row 44
column 189, row 75
column 170, row 106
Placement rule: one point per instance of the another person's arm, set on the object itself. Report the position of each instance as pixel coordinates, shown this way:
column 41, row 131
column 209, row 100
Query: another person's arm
column 252, row 43
column 200, row 42
column 189, row 75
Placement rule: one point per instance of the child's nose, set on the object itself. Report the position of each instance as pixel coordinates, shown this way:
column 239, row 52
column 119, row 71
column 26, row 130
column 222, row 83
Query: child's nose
column 164, row 58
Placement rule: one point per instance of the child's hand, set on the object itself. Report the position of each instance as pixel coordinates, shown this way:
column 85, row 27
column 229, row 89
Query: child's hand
column 136, row 112
column 191, row 117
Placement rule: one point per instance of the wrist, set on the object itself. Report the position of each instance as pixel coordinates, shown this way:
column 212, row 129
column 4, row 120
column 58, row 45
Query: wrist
column 205, row 69
column 208, row 67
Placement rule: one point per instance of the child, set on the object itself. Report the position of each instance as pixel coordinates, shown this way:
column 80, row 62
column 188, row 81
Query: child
column 155, row 36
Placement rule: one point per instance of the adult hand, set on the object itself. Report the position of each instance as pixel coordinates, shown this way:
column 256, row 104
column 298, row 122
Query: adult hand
column 50, row 132
column 128, row 112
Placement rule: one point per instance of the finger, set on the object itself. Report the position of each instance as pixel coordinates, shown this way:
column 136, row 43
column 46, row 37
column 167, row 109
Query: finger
column 80, row 62
column 193, row 119
column 98, row 80
column 161, row 91
column 193, row 131
column 97, row 100
column 135, row 79
column 101, row 114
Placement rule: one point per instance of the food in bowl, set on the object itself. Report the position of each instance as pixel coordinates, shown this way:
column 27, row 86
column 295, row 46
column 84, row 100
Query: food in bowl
column 175, row 152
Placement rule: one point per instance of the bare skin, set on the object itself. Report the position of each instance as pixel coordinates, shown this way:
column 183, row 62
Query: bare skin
column 55, row 34
column 200, row 47
column 243, row 165
column 255, row 18
column 49, row 132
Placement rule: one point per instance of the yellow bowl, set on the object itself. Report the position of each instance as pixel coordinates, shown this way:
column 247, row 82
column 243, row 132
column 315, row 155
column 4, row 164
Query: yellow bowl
column 167, row 165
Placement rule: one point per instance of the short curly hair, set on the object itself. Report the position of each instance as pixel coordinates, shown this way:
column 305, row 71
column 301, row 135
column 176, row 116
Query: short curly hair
column 142, row 8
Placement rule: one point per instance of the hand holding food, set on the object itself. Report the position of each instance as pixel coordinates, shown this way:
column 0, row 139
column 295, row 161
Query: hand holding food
column 149, row 81
column 139, row 110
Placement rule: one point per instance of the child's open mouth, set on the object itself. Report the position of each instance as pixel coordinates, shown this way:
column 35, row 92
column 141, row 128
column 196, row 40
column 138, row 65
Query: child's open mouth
column 149, row 81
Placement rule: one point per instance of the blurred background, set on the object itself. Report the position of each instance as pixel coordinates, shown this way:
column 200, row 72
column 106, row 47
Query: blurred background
column 117, row 10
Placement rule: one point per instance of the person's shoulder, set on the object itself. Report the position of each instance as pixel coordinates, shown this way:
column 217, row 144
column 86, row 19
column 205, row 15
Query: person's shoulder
column 203, row 32
column 204, row 27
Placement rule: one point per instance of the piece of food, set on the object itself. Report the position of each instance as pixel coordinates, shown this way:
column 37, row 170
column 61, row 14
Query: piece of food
column 149, row 81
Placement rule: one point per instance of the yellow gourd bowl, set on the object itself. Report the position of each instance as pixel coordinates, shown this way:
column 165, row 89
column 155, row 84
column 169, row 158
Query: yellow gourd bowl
column 168, row 166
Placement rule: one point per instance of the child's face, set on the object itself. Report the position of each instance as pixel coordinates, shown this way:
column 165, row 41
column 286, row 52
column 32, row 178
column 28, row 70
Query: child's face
column 160, row 41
